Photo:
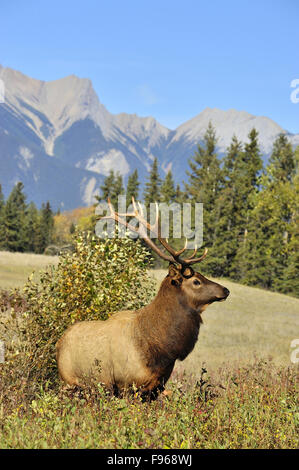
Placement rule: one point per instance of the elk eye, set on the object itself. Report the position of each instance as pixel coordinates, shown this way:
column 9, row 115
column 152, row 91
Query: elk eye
column 196, row 282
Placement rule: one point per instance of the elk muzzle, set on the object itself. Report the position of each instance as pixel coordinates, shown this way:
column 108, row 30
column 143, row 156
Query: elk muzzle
column 218, row 293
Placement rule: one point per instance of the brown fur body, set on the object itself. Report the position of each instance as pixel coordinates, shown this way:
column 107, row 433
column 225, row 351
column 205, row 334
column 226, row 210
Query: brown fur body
column 139, row 347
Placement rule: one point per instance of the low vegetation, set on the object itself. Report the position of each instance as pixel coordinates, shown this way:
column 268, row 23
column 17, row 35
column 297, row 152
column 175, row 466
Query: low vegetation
column 238, row 389
column 248, row 407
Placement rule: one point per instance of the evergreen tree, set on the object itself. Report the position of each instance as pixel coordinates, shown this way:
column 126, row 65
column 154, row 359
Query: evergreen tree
column 180, row 196
column 152, row 191
column 290, row 274
column 112, row 188
column 39, row 236
column 47, row 223
column 226, row 213
column 106, row 187
column 252, row 159
column 271, row 238
column 168, row 192
column 2, row 210
column 282, row 162
column 284, row 176
column 132, row 188
column 44, row 228
column 205, row 180
column 14, row 215
column 248, row 170
column 31, row 228
column 117, row 189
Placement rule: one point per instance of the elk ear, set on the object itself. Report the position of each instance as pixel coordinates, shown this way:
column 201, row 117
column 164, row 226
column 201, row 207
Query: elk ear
column 173, row 271
column 175, row 274
column 188, row 272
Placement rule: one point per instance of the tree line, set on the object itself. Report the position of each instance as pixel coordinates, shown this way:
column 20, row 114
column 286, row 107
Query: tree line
column 250, row 211
column 24, row 227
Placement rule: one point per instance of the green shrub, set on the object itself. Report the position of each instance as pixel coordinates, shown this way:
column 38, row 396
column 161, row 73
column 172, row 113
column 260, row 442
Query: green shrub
column 98, row 278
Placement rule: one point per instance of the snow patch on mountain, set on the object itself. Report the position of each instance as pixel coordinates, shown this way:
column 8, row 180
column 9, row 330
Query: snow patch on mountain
column 113, row 160
column 89, row 190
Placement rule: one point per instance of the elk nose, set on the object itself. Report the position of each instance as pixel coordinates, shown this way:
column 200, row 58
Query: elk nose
column 226, row 292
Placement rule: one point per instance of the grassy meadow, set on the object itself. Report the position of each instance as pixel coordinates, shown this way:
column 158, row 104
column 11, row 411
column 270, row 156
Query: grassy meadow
column 237, row 389
column 16, row 267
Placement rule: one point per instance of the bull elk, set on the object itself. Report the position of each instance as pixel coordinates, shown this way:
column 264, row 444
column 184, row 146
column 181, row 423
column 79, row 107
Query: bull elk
column 140, row 347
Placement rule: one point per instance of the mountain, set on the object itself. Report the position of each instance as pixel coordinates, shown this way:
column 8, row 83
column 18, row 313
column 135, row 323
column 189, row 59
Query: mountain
column 227, row 123
column 61, row 141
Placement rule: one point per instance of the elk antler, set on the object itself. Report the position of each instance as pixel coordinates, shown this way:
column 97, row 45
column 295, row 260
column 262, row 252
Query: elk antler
column 174, row 256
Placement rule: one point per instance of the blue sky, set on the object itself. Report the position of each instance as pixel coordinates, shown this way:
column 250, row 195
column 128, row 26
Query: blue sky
column 168, row 59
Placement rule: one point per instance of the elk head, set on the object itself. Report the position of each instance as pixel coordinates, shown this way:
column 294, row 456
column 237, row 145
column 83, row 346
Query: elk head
column 196, row 291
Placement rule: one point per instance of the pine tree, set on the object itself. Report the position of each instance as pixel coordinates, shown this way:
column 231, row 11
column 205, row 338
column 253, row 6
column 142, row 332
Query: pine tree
column 226, row 213
column 39, row 238
column 132, row 188
column 168, row 192
column 180, row 196
column 152, row 191
column 270, row 240
column 44, row 228
column 284, row 171
column 248, row 170
column 111, row 188
column 2, row 210
column 282, row 162
column 106, row 187
column 14, row 215
column 117, row 189
column 290, row 274
column 205, row 179
column 252, row 158
column 47, row 223
column 31, row 227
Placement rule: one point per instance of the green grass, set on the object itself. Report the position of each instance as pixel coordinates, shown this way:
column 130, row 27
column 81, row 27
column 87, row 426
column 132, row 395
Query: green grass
column 247, row 399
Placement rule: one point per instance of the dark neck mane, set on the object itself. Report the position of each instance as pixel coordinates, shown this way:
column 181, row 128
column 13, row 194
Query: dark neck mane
column 167, row 328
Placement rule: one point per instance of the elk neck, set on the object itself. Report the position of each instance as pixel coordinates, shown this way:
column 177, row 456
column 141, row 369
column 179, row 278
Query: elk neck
column 167, row 329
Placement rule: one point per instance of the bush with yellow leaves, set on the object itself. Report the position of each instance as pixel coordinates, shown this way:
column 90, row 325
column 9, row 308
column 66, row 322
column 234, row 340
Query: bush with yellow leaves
column 97, row 279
